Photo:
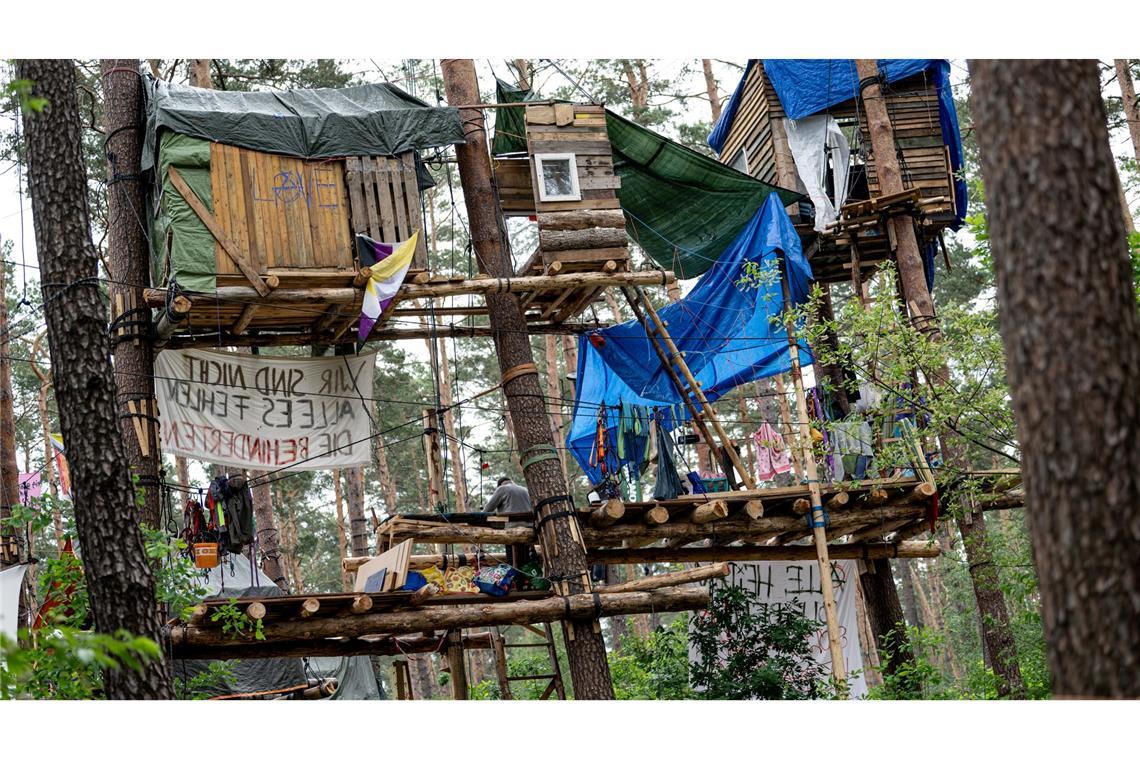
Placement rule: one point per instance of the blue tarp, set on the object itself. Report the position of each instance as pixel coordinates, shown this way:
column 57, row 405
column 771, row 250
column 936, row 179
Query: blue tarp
column 726, row 331
column 807, row 85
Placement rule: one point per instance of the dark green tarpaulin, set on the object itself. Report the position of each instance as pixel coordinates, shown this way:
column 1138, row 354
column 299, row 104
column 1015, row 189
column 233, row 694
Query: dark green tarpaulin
column 510, row 123
column 192, row 260
column 367, row 120
column 683, row 208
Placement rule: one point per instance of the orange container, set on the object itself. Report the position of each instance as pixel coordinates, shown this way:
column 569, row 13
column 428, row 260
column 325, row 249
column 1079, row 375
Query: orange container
column 206, row 555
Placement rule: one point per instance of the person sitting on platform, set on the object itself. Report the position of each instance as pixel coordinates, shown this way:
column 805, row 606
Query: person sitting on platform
column 509, row 499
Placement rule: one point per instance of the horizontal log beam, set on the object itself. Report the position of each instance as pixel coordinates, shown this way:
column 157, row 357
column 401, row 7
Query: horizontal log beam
column 734, row 529
column 908, row 549
column 384, row 646
column 430, row 619
column 667, row 580
column 540, row 283
column 422, row 561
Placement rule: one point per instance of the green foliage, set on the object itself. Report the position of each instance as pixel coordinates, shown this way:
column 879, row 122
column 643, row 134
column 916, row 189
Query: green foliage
column 743, row 653
column 67, row 663
column 656, row 667
column 175, row 577
column 236, row 623
column 916, row 677
column 205, row 683
column 22, row 90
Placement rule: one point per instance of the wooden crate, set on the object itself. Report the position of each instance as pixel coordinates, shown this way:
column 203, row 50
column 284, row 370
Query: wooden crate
column 385, row 201
column 287, row 215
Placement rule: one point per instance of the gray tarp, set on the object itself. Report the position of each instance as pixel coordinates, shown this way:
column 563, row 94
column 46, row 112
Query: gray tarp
column 233, row 578
column 366, row 120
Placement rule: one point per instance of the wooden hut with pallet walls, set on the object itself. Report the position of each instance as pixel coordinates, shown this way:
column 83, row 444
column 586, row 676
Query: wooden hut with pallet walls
column 566, row 182
column 754, row 140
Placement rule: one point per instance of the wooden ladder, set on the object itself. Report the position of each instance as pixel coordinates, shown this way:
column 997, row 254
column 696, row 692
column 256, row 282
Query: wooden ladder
column 673, row 362
column 545, row 635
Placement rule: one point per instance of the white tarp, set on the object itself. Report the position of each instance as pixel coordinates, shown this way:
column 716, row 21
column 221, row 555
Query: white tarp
column 266, row 412
column 10, row 580
column 769, row 583
column 812, row 140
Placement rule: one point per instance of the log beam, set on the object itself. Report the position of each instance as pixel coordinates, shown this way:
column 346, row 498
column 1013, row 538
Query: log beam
column 908, row 549
column 433, row 618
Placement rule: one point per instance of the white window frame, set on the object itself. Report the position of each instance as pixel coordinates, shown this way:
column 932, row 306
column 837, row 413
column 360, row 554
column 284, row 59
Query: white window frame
column 575, row 191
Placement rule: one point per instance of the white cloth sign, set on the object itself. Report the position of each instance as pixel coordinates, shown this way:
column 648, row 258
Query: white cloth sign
column 769, row 583
column 266, row 412
column 10, row 580
column 812, row 140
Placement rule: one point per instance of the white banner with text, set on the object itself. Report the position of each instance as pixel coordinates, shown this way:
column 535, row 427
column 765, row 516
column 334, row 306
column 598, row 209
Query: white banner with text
column 266, row 412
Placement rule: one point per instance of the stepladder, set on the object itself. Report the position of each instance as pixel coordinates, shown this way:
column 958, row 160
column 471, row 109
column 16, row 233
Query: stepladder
column 532, row 637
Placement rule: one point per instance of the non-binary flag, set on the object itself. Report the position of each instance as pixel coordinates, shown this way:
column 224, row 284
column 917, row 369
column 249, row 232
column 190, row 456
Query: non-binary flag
column 389, row 263
column 61, row 464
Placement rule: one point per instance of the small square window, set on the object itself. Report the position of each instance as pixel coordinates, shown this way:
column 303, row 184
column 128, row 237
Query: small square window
column 557, row 177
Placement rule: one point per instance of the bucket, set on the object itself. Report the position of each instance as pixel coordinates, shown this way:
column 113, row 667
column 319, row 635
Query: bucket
column 206, row 555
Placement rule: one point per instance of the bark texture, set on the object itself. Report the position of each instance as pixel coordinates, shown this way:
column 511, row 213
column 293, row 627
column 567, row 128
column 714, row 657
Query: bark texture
column 563, row 550
column 357, row 522
column 711, row 89
column 885, row 613
column 130, row 274
column 119, row 580
column 1072, row 338
column 9, row 468
column 997, row 635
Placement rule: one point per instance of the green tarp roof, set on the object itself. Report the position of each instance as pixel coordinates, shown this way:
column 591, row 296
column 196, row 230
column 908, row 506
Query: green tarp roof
column 367, row 120
column 683, row 208
column 510, row 123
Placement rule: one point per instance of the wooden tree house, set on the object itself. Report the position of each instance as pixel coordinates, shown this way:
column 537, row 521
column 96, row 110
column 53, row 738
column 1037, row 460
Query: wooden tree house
column 757, row 143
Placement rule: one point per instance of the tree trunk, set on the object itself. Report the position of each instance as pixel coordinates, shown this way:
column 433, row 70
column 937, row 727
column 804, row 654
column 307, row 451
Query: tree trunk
column 341, row 537
column 554, row 397
column 711, row 88
column 881, row 599
column 563, row 550
column 121, row 585
column 199, row 71
column 9, row 467
column 45, row 427
column 267, row 534
column 384, row 474
column 992, row 611
column 1130, row 104
column 130, row 274
column 1072, row 338
column 357, row 522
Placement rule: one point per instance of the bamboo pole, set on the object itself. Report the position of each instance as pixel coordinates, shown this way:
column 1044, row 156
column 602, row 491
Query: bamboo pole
column 678, row 360
column 819, row 534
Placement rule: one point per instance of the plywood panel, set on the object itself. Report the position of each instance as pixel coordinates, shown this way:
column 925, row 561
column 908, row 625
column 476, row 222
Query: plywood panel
column 283, row 212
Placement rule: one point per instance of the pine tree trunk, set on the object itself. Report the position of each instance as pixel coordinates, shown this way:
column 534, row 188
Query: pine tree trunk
column 357, row 522
column 992, row 611
column 554, row 397
column 1072, row 337
column 885, row 614
column 9, row 467
column 341, row 537
column 129, row 274
column 120, row 583
column 563, row 550
column 1130, row 104
column 711, row 88
column 267, row 534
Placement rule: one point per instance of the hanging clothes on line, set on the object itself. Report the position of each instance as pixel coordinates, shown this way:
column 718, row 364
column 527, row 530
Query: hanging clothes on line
column 852, row 441
column 668, row 485
column 772, row 455
column 813, row 140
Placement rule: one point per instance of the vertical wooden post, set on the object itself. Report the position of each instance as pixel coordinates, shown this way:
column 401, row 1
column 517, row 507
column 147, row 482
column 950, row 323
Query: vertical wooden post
column 993, row 614
column 819, row 534
column 436, row 496
column 563, row 549
column 9, row 467
column 456, row 665
column 786, row 424
column 341, row 538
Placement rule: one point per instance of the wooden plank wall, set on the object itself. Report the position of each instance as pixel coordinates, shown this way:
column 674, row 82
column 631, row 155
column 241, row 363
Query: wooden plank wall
column 514, row 178
column 385, row 200
column 912, row 103
column 586, row 234
column 285, row 213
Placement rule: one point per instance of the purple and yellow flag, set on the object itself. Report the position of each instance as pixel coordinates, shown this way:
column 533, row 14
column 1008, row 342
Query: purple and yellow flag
column 389, row 263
